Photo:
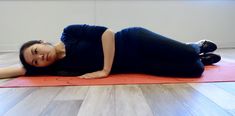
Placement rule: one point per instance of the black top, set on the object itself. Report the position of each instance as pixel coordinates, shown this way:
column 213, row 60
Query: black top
column 83, row 44
column 84, row 52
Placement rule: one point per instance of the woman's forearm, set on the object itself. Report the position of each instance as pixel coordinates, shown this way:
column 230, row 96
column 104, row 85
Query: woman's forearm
column 108, row 43
column 8, row 72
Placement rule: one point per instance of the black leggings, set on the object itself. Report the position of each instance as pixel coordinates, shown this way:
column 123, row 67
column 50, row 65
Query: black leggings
column 160, row 55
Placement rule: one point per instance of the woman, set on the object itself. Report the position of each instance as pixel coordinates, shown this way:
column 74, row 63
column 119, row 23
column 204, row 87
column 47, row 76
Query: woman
column 90, row 51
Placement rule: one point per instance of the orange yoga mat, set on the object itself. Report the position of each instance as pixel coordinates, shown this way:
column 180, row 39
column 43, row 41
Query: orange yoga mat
column 224, row 71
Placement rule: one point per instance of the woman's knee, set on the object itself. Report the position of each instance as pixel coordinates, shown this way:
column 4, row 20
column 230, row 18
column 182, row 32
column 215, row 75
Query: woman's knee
column 198, row 69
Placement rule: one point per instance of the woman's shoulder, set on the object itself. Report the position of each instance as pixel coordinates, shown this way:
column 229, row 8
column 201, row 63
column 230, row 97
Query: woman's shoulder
column 73, row 27
column 81, row 26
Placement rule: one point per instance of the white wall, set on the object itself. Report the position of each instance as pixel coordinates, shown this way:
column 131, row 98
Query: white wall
column 183, row 20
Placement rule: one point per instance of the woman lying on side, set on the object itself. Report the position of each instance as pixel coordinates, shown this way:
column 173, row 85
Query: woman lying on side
column 90, row 51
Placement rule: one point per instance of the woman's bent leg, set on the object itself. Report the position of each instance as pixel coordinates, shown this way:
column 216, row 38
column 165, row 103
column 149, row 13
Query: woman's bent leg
column 164, row 56
column 154, row 46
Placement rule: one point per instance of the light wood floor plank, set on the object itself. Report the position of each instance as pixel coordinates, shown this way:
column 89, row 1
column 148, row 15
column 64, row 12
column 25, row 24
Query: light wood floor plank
column 62, row 108
column 162, row 101
column 98, row 102
column 34, row 103
column 228, row 60
column 196, row 103
column 228, row 86
column 2, row 82
column 11, row 96
column 72, row 93
column 228, row 53
column 232, row 112
column 3, row 91
column 218, row 95
column 9, row 59
column 130, row 101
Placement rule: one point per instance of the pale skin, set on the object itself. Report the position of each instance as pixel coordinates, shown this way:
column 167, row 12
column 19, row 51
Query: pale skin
column 44, row 54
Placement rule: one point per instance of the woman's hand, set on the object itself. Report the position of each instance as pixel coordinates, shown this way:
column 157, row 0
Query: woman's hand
column 96, row 74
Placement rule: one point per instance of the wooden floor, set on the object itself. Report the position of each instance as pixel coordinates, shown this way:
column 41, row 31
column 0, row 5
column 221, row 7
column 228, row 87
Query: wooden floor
column 188, row 99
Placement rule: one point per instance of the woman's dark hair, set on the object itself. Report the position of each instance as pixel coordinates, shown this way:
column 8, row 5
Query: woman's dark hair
column 22, row 49
column 31, row 70
column 49, row 70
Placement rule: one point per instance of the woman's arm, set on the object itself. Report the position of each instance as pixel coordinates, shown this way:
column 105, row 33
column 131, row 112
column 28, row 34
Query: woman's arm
column 9, row 72
column 108, row 44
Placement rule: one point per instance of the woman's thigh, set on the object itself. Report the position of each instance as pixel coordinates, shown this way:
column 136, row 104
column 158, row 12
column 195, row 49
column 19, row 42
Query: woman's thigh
column 152, row 46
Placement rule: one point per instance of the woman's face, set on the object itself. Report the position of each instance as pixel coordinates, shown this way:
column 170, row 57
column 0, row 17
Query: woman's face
column 40, row 55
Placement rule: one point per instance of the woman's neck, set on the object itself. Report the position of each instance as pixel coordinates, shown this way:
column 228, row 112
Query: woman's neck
column 60, row 50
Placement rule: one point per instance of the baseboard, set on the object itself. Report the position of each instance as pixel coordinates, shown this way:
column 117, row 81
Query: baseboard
column 226, row 44
column 9, row 47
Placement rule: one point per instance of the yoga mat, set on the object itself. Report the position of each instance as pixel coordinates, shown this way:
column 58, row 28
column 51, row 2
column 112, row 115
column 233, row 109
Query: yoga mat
column 224, row 71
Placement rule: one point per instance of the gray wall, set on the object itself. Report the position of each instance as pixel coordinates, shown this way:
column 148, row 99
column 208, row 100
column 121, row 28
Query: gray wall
column 183, row 20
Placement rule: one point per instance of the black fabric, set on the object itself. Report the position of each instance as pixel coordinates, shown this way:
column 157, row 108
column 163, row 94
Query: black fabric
column 141, row 50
